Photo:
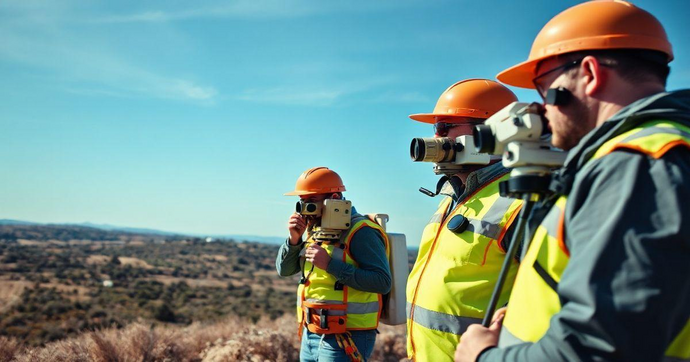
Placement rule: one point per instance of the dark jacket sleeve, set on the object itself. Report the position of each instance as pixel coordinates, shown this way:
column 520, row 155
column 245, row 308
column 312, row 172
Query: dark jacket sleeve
column 625, row 293
column 373, row 272
column 287, row 261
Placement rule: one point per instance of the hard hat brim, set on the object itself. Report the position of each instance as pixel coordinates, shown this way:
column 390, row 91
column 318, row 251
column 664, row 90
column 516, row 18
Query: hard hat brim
column 424, row 117
column 314, row 192
column 520, row 75
column 432, row 117
column 299, row 193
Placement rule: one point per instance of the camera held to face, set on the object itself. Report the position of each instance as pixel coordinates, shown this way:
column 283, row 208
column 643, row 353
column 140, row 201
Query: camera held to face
column 331, row 217
column 449, row 155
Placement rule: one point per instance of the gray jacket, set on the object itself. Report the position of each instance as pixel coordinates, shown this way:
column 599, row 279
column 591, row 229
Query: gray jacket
column 625, row 293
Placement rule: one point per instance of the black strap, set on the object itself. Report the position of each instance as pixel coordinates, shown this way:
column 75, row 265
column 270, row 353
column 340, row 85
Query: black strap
column 324, row 319
column 553, row 284
column 439, row 186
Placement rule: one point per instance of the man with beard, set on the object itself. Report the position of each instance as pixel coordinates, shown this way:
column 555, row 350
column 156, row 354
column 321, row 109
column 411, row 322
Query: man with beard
column 605, row 276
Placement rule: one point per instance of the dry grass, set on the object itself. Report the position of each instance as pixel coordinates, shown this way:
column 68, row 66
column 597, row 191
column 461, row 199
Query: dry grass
column 10, row 291
column 216, row 257
column 30, row 242
column 9, row 348
column 103, row 259
column 231, row 339
column 135, row 262
column 391, row 344
column 265, row 341
column 208, row 282
column 97, row 259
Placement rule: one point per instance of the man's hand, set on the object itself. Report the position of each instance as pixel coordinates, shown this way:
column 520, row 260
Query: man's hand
column 477, row 338
column 296, row 225
column 318, row 256
column 499, row 313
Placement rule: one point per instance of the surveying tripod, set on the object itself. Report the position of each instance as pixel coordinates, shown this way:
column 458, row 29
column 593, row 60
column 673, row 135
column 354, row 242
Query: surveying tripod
column 531, row 184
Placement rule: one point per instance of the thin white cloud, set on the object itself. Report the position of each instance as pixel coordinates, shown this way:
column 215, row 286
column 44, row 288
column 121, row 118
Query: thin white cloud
column 256, row 9
column 328, row 96
column 292, row 96
column 244, row 9
column 193, row 91
column 401, row 97
column 82, row 68
column 312, row 95
column 87, row 91
column 147, row 16
column 90, row 68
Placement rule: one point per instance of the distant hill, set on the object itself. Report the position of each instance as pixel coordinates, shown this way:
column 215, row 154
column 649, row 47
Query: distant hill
column 274, row 240
column 126, row 229
column 15, row 222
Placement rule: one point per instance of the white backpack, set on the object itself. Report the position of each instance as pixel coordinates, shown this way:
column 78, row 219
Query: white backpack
column 394, row 302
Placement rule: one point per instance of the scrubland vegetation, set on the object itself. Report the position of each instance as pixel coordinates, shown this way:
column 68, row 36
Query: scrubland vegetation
column 231, row 339
column 173, row 298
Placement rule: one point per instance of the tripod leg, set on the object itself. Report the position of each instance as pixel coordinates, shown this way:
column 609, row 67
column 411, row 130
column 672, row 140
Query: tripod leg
column 530, row 199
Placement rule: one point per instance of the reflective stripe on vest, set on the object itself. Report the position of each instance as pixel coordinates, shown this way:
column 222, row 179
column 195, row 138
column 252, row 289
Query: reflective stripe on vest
column 653, row 139
column 352, row 307
column 363, row 308
column 535, row 299
column 440, row 321
column 451, row 282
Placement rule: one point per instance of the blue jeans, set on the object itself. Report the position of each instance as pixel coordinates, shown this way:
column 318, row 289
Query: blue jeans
column 324, row 347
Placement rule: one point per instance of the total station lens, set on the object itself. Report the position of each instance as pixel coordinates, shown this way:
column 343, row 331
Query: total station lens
column 417, row 150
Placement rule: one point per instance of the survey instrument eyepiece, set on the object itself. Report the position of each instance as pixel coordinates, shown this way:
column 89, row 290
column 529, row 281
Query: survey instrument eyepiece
column 484, row 139
column 518, row 122
column 520, row 134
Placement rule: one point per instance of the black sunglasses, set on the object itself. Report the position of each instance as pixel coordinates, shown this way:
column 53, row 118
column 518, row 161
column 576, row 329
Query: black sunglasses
column 441, row 128
column 562, row 68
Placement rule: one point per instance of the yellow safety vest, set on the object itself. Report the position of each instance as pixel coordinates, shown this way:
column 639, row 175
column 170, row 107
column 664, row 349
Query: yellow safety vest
column 321, row 296
column 451, row 282
column 535, row 294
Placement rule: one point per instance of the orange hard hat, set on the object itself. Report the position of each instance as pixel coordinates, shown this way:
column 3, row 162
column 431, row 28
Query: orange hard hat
column 317, row 180
column 593, row 25
column 476, row 98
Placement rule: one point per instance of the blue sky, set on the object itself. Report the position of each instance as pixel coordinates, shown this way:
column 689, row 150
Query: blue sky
column 198, row 116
